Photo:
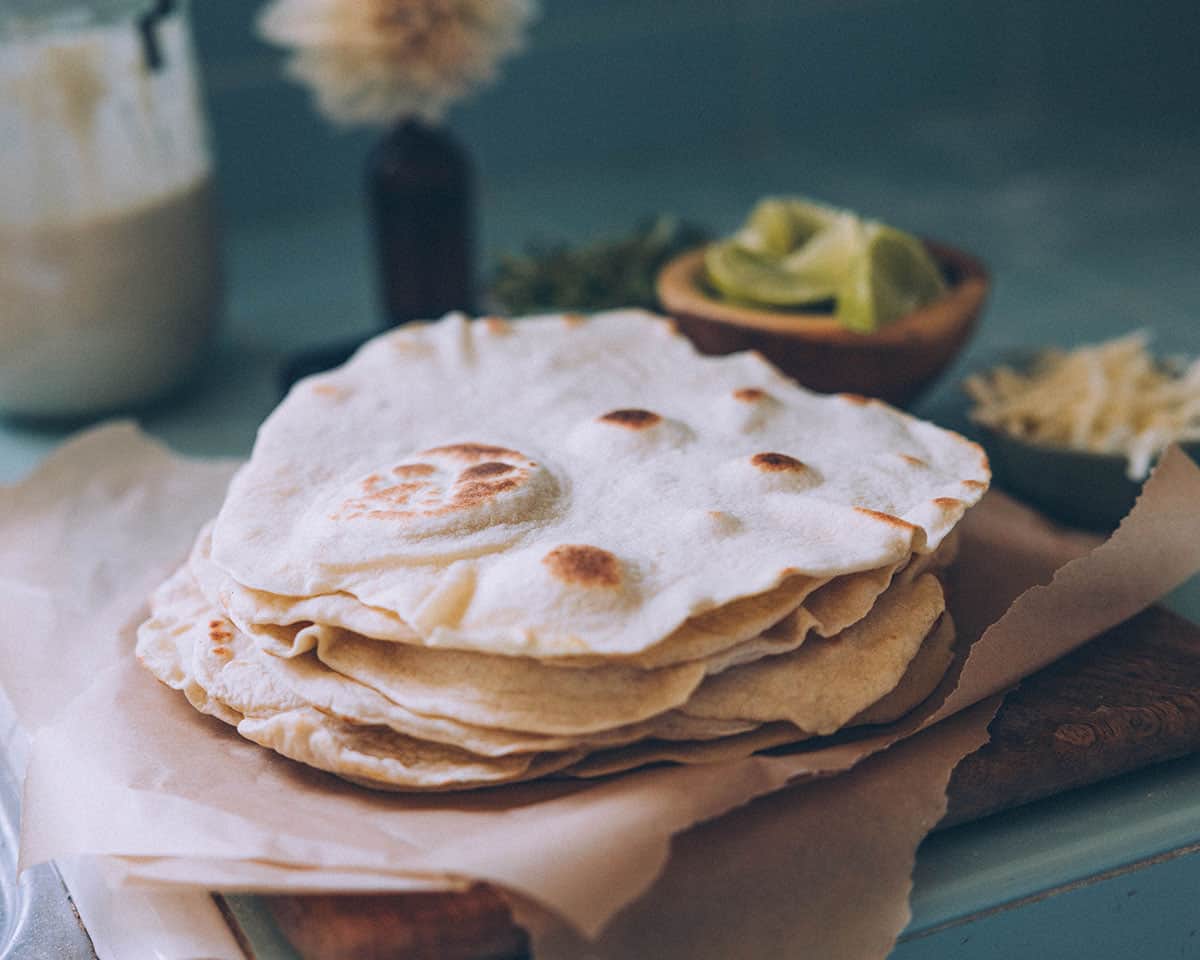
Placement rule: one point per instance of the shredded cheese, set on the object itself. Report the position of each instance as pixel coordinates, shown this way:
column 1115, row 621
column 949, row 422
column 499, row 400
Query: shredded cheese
column 1111, row 397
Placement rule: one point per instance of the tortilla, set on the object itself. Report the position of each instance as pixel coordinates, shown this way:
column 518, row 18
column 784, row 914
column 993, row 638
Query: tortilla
column 922, row 677
column 225, row 669
column 554, row 490
column 822, row 685
column 381, row 758
column 307, row 712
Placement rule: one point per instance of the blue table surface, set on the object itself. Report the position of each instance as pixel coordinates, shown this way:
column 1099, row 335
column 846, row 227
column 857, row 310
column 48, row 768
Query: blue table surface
column 1076, row 256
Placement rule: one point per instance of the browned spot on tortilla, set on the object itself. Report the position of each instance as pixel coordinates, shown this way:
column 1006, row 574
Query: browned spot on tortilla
column 750, row 394
column 723, row 522
column 399, row 493
column 855, row 398
column 412, row 470
column 632, row 418
column 777, row 463
column 222, row 652
column 424, row 490
column 215, row 624
column 886, row 518
column 471, row 494
column 915, row 461
column 329, row 390
column 497, row 325
column 472, row 452
column 573, row 319
column 584, row 566
column 376, row 495
column 492, row 468
column 974, row 484
column 947, row 503
column 405, row 342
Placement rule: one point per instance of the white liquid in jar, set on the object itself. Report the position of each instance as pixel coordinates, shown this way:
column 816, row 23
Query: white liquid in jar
column 101, row 313
column 109, row 265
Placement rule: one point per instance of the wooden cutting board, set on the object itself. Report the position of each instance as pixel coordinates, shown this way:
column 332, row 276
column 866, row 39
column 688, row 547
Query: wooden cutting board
column 1129, row 699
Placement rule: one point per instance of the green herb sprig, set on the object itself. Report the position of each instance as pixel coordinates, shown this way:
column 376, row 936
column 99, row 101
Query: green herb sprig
column 600, row 275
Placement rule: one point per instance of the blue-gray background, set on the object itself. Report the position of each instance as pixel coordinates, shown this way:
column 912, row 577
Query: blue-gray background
column 1059, row 140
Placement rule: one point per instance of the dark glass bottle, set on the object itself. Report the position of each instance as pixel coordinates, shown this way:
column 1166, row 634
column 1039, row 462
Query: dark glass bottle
column 421, row 198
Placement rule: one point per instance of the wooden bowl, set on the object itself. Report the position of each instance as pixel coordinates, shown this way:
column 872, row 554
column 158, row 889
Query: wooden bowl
column 894, row 364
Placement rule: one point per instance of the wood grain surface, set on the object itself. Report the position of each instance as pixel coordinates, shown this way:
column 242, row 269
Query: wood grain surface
column 1129, row 699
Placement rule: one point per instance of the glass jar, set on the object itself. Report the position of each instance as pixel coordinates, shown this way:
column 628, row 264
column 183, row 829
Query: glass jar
column 110, row 280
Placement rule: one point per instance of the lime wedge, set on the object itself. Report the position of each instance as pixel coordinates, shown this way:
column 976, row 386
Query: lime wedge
column 769, row 229
column 809, row 218
column 778, row 225
column 748, row 276
column 792, row 252
column 824, row 255
column 892, row 276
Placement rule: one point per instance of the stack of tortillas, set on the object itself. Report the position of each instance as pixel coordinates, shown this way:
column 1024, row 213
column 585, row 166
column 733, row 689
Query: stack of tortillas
column 484, row 552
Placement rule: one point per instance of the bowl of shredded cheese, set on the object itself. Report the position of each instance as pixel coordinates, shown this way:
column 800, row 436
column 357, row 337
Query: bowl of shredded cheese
column 1076, row 432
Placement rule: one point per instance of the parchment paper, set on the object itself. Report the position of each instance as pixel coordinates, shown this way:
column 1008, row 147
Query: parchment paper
column 820, row 869
column 122, row 766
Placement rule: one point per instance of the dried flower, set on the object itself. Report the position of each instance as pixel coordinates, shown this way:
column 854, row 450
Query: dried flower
column 379, row 61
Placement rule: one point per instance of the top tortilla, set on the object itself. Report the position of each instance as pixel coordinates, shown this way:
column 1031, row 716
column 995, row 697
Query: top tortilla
column 565, row 488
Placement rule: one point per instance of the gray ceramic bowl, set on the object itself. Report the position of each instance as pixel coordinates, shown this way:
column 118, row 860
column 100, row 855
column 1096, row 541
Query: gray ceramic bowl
column 1075, row 487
